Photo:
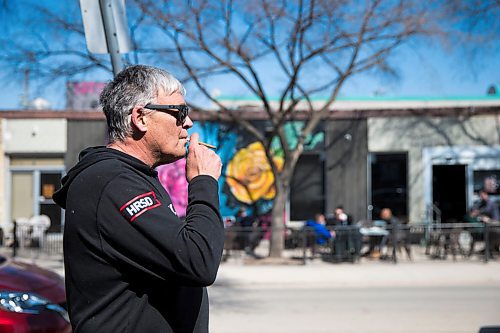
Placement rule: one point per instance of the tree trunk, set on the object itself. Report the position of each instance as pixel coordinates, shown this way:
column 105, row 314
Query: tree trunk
column 277, row 243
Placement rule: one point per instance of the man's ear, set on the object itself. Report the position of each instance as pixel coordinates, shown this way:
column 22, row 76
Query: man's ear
column 138, row 118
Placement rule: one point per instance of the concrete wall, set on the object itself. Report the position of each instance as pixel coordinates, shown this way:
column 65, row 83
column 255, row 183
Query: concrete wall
column 346, row 166
column 413, row 134
column 28, row 144
column 35, row 136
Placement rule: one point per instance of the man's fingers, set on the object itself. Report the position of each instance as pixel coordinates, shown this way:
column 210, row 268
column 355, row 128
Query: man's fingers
column 201, row 160
column 193, row 140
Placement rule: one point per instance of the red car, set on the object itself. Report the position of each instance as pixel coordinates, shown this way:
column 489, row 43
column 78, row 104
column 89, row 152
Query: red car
column 32, row 299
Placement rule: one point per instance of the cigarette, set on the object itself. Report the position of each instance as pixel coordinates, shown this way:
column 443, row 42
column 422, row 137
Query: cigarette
column 205, row 144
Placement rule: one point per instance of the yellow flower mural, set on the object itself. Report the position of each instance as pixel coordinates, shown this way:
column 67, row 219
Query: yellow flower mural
column 249, row 174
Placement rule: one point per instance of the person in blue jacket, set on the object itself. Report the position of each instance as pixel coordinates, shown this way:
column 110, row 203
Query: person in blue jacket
column 321, row 233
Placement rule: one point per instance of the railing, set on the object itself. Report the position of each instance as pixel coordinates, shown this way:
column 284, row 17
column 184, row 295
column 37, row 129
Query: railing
column 430, row 241
column 27, row 241
column 433, row 218
column 423, row 241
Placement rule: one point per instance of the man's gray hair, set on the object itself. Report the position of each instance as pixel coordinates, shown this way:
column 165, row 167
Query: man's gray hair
column 135, row 85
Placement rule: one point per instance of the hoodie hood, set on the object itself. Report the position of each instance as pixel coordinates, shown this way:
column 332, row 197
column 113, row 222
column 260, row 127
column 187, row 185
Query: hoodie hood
column 89, row 157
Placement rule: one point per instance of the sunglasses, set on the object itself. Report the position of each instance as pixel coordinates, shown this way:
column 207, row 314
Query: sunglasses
column 181, row 114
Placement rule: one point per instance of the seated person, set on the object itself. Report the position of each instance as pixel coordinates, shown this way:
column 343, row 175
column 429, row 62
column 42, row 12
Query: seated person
column 348, row 240
column 396, row 235
column 321, row 233
column 487, row 212
column 340, row 217
column 375, row 232
column 487, row 207
column 250, row 231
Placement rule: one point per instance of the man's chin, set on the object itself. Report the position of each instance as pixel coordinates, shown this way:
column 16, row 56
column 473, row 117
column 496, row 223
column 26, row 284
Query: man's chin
column 168, row 159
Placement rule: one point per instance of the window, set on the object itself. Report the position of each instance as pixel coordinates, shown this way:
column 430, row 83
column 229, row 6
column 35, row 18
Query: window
column 49, row 183
column 488, row 180
column 22, row 195
column 307, row 188
column 389, row 183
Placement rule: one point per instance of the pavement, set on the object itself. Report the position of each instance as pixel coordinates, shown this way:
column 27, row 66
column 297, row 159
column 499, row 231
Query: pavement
column 363, row 275
column 242, row 271
column 369, row 296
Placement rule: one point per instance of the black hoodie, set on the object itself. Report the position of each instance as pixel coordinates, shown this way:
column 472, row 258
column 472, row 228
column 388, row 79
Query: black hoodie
column 131, row 264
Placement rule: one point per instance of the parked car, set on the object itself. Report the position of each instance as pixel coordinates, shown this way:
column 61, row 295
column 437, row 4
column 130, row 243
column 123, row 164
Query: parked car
column 32, row 299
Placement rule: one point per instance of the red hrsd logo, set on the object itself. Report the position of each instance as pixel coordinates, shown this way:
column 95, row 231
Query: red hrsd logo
column 139, row 205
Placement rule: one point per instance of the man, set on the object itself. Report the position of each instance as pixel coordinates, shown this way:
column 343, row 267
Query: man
column 488, row 214
column 131, row 264
column 340, row 217
column 250, row 232
column 487, row 207
column 321, row 232
column 397, row 234
column 348, row 239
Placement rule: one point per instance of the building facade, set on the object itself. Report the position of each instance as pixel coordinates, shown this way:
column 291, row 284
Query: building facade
column 420, row 158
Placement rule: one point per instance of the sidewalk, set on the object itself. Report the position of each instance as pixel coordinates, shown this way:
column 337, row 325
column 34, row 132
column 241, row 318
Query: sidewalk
column 319, row 274
column 422, row 271
column 241, row 272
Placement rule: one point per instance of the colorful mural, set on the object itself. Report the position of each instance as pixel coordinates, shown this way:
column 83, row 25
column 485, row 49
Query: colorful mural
column 249, row 175
column 246, row 178
column 173, row 178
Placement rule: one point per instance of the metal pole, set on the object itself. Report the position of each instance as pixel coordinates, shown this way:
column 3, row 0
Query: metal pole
column 304, row 245
column 15, row 243
column 486, row 242
column 111, row 35
column 394, row 235
column 26, row 95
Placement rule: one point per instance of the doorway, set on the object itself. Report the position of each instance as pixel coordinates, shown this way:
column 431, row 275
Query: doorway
column 449, row 191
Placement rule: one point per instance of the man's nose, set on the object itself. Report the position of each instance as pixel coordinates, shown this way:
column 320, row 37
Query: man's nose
column 188, row 123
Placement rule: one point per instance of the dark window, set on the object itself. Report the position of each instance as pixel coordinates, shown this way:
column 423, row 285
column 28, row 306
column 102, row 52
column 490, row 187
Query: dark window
column 389, row 184
column 449, row 191
column 49, row 183
column 307, row 188
column 54, row 213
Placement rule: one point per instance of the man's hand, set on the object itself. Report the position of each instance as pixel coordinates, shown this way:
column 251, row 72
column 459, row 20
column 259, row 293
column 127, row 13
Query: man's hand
column 201, row 160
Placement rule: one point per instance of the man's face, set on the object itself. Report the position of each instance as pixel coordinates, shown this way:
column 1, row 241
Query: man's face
column 385, row 214
column 167, row 139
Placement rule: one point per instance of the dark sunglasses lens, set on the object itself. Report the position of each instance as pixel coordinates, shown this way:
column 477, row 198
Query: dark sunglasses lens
column 183, row 113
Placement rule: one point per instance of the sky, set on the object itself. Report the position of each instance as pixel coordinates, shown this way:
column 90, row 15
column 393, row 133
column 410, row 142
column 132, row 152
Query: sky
column 422, row 73
column 424, row 70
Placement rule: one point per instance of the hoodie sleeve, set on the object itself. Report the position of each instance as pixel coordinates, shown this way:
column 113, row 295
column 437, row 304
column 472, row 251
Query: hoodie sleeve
column 139, row 229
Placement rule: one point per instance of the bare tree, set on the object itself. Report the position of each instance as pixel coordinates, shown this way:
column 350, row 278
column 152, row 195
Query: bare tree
column 313, row 46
